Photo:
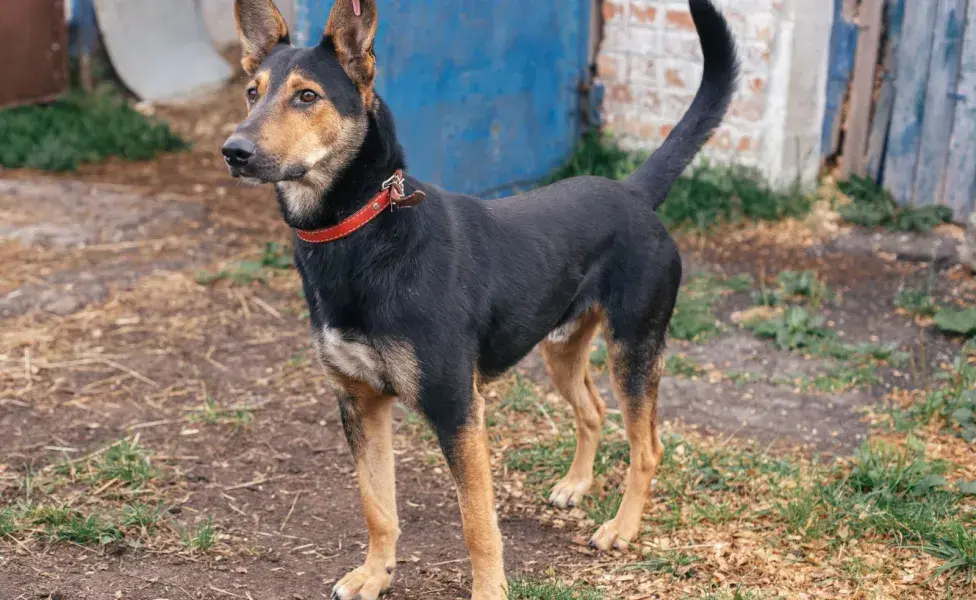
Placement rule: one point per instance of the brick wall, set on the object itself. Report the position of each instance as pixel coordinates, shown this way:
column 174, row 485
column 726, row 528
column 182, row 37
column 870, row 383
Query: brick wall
column 650, row 63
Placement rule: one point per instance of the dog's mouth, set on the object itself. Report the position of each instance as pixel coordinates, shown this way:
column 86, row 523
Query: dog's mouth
column 255, row 175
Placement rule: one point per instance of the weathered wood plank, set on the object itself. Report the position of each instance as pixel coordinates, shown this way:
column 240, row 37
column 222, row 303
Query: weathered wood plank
column 960, row 184
column 881, row 121
column 940, row 101
column 911, row 77
column 843, row 42
column 853, row 159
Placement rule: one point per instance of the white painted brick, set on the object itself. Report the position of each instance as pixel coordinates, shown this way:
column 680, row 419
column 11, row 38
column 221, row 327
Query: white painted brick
column 651, row 63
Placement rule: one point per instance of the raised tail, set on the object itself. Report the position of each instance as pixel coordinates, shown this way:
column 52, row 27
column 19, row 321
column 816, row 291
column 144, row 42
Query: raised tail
column 666, row 164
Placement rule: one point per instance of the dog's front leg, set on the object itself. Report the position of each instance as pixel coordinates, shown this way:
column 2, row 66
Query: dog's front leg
column 368, row 421
column 470, row 462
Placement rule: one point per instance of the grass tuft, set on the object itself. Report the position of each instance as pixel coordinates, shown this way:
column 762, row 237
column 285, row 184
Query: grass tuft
column 202, row 538
column 80, row 128
column 275, row 258
column 706, row 196
column 873, row 206
column 524, row 589
column 676, row 564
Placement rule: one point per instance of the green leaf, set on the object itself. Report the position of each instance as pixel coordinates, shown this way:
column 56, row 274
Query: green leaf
column 967, row 488
column 928, row 483
column 962, row 322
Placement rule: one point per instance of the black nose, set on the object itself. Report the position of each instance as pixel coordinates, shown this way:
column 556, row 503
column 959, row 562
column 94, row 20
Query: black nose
column 238, row 151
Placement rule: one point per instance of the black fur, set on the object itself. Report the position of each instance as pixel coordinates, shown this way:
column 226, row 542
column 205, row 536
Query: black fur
column 474, row 285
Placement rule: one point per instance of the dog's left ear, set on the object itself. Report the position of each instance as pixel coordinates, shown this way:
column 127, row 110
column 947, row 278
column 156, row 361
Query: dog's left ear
column 351, row 31
column 260, row 27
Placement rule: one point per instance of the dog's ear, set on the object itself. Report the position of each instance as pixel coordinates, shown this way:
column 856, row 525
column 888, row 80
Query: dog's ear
column 351, row 31
column 260, row 27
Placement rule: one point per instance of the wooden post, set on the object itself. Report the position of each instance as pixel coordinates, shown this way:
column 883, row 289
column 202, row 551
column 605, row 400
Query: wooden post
column 881, row 121
column 853, row 159
column 843, row 40
column 940, row 102
column 960, row 181
column 911, row 77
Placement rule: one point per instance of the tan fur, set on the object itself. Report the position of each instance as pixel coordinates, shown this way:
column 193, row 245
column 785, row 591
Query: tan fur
column 567, row 360
column 354, row 38
column 472, row 473
column 260, row 27
column 317, row 137
column 376, row 474
column 646, row 452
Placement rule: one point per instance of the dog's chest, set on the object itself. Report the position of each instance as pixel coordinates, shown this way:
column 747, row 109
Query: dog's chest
column 350, row 355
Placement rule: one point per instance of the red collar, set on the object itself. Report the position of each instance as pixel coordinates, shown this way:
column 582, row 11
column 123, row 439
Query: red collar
column 391, row 194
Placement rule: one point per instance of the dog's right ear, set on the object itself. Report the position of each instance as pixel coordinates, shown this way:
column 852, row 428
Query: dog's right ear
column 260, row 27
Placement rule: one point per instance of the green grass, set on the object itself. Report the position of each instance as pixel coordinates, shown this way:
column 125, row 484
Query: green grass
column 547, row 460
column 210, row 413
column 521, row 397
column 602, row 508
column 681, row 366
column 841, row 378
column 80, row 128
column 677, row 564
column 524, row 589
column 127, row 462
column 918, row 303
column 275, row 258
column 953, row 402
column 142, row 516
column 873, row 206
column 704, row 197
column 693, row 319
column 893, row 493
column 203, row 537
column 598, row 354
column 795, row 286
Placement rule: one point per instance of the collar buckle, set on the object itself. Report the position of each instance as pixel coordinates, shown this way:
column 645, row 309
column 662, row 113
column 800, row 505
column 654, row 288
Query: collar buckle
column 395, row 183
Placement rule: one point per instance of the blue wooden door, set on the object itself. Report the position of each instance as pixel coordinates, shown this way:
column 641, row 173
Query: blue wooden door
column 485, row 93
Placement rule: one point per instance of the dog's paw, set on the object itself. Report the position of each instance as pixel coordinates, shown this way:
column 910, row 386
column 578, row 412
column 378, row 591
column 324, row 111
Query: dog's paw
column 569, row 491
column 364, row 583
column 610, row 536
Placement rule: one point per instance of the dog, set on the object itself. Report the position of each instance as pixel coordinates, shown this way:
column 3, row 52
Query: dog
column 420, row 294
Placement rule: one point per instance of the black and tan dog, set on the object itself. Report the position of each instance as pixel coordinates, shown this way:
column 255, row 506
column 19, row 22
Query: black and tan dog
column 424, row 303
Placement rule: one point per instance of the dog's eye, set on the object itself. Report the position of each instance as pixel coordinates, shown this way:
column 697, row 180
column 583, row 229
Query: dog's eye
column 252, row 94
column 307, row 96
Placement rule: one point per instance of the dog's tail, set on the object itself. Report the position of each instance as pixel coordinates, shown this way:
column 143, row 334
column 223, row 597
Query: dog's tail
column 708, row 108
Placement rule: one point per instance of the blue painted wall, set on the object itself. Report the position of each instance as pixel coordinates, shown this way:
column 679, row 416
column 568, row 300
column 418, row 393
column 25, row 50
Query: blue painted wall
column 485, row 93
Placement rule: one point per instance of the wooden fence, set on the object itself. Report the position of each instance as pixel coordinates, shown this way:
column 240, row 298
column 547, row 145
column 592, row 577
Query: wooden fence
column 901, row 105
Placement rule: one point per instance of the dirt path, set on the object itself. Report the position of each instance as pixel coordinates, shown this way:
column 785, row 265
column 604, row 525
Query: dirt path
column 140, row 346
column 107, row 333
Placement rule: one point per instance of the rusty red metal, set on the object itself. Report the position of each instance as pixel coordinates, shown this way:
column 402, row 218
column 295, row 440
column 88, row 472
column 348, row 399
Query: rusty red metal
column 33, row 51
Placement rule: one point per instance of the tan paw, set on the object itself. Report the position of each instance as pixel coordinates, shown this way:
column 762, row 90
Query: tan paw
column 363, row 584
column 610, row 536
column 569, row 491
column 490, row 590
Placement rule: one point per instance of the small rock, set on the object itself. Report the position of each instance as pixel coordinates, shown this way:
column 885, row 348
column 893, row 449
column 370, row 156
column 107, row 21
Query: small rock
column 967, row 252
column 65, row 305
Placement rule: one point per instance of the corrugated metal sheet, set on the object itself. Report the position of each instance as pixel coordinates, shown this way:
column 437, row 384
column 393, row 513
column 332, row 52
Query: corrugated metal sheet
column 33, row 53
column 486, row 95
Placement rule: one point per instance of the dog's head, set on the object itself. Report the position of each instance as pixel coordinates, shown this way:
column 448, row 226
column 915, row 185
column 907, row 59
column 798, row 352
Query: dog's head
column 308, row 108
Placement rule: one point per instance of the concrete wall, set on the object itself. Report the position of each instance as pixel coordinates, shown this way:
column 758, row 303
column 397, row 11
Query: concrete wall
column 650, row 62
column 219, row 16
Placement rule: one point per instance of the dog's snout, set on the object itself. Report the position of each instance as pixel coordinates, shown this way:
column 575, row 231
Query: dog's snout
column 238, row 151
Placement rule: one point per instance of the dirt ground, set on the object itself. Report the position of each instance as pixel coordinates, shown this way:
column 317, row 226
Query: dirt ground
column 107, row 333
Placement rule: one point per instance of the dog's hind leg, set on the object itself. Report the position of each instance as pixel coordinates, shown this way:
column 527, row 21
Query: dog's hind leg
column 368, row 421
column 567, row 357
column 636, row 374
